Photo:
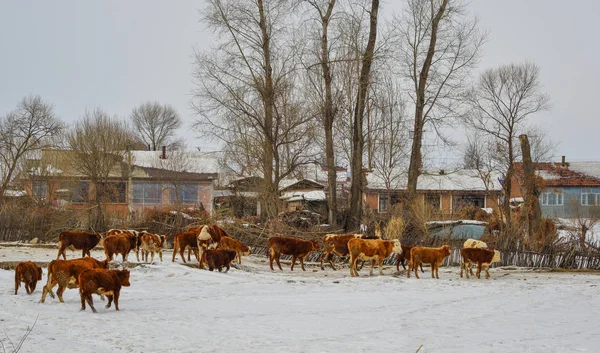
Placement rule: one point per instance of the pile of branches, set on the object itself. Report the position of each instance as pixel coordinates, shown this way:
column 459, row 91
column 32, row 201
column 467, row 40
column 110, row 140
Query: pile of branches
column 300, row 219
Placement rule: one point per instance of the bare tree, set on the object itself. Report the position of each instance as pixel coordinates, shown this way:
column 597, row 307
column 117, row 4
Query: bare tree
column 439, row 45
column 31, row 127
column 156, row 124
column 500, row 103
column 98, row 144
column 356, row 189
column 246, row 91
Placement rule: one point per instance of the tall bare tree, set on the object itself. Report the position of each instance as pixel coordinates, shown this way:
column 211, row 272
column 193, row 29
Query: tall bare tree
column 98, row 144
column 156, row 124
column 439, row 44
column 246, row 91
column 31, row 127
column 500, row 103
column 355, row 208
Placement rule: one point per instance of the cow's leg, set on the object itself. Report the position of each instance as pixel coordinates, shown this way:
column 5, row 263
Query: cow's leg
column 470, row 267
column 487, row 273
column 422, row 268
column 271, row 256
column 48, row 288
column 462, row 266
column 151, row 257
column 116, row 299
column 175, row 248
column 294, row 257
column 353, row 271
column 160, row 254
column 380, row 263
column 409, row 269
column 277, row 258
column 239, row 256
column 301, row 258
column 110, row 299
column 189, row 254
column 82, row 300
column 228, row 267
column 415, row 267
column 60, row 291
column 17, row 282
column 398, row 260
column 323, row 257
column 479, row 265
column 182, row 253
column 28, row 288
column 90, row 302
column 330, row 257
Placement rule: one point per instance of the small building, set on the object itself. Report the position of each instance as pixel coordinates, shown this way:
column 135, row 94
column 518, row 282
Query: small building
column 444, row 192
column 571, row 190
column 304, row 194
column 157, row 180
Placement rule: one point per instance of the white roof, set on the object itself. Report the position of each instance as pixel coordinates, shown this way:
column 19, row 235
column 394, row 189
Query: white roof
column 587, row 168
column 286, row 183
column 315, row 195
column 14, row 193
column 179, row 161
column 461, row 179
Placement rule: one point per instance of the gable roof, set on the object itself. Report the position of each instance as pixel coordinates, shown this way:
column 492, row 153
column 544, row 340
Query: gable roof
column 585, row 174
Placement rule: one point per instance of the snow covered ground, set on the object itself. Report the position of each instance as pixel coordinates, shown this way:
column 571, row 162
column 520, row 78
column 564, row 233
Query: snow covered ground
column 174, row 308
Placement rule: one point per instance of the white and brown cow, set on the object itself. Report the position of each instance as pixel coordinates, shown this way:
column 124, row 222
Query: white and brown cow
column 371, row 249
column 151, row 243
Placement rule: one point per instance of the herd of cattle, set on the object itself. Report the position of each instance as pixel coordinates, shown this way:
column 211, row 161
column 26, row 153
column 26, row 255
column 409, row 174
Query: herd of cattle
column 213, row 247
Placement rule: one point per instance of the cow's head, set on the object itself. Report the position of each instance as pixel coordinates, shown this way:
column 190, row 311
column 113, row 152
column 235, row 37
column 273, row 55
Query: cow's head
column 397, row 247
column 123, row 277
column 446, row 250
column 496, row 257
column 315, row 245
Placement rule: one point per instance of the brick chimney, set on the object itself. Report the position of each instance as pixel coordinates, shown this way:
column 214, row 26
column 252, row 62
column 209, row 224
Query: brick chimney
column 564, row 161
column 164, row 153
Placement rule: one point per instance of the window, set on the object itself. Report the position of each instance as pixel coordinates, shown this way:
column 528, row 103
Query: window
column 81, row 192
column 460, row 201
column 590, row 199
column 38, row 189
column 147, row 192
column 113, row 192
column 552, row 199
column 383, row 202
column 433, row 201
column 184, row 193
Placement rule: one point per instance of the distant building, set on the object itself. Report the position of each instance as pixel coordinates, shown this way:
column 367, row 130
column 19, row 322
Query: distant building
column 571, row 189
column 158, row 180
column 443, row 191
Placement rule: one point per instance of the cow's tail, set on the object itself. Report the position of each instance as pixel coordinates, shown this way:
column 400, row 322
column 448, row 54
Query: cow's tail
column 17, row 278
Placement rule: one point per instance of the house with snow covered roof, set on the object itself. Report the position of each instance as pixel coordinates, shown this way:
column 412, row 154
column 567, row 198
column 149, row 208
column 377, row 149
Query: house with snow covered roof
column 444, row 191
column 159, row 179
column 571, row 189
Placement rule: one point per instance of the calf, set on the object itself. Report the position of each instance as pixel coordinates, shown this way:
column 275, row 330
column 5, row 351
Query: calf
column 404, row 256
column 121, row 243
column 479, row 256
column 65, row 273
column 29, row 273
column 78, row 240
column 433, row 256
column 102, row 282
column 371, row 249
column 217, row 258
column 152, row 243
column 298, row 248
column 478, row 244
column 336, row 244
column 184, row 240
column 228, row 243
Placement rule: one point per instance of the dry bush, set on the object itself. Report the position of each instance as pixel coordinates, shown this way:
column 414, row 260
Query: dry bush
column 394, row 229
column 415, row 228
column 473, row 213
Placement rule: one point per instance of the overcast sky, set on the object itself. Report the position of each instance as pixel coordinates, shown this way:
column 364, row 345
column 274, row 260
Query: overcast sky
column 117, row 54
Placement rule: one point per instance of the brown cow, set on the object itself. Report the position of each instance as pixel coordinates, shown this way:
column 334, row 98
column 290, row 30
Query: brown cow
column 152, row 243
column 131, row 233
column 65, row 273
column 479, row 256
column 336, row 244
column 228, row 243
column 433, row 256
column 121, row 243
column 78, row 240
column 182, row 241
column 102, row 282
column 404, row 256
column 217, row 258
column 29, row 273
column 298, row 248
column 371, row 249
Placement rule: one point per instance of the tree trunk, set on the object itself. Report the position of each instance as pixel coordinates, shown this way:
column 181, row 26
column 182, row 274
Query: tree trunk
column 532, row 201
column 355, row 209
column 328, row 119
column 414, row 168
column 507, row 186
column 269, row 207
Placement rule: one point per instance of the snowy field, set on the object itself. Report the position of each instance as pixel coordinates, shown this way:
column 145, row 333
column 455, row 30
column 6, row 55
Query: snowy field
column 174, row 308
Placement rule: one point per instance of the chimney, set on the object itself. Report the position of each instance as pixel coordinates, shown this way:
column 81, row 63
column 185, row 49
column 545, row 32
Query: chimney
column 564, row 161
column 164, row 153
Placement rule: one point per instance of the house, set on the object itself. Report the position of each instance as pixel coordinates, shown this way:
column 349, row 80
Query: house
column 157, row 180
column 571, row 189
column 242, row 195
column 443, row 191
